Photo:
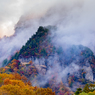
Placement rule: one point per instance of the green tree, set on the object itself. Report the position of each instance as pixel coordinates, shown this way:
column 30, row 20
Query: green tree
column 79, row 90
column 4, row 63
column 43, row 52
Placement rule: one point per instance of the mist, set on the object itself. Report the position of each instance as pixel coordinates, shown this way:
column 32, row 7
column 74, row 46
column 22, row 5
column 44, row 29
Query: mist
column 60, row 71
column 75, row 21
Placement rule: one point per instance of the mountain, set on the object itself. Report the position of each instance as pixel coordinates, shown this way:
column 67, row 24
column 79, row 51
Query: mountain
column 49, row 65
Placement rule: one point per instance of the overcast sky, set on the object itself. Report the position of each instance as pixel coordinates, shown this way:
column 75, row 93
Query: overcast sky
column 12, row 10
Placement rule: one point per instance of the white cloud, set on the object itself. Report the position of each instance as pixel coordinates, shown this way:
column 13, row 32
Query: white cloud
column 10, row 12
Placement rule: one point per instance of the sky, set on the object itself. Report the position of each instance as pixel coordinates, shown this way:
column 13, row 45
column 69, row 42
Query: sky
column 12, row 10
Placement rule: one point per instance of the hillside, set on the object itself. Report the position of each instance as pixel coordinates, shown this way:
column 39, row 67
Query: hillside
column 48, row 65
column 31, row 48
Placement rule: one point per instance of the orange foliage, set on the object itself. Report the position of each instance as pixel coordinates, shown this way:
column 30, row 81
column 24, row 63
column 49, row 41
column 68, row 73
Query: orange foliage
column 7, row 81
column 30, row 62
column 14, row 84
column 17, row 76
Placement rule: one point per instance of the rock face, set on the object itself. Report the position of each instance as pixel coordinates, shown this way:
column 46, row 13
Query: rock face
column 89, row 74
column 72, row 66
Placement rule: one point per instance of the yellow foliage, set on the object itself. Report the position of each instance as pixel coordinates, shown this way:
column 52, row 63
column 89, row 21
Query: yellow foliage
column 3, row 70
column 14, row 85
column 14, row 82
column 3, row 92
column 4, row 75
column 25, row 90
column 92, row 92
column 14, row 60
column 44, row 91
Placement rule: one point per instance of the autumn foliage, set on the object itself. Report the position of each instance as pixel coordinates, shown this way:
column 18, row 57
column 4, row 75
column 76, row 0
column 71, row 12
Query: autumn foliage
column 14, row 84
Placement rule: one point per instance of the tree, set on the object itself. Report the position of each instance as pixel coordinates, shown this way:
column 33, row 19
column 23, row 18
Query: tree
column 79, row 90
column 4, row 63
column 14, row 84
column 83, row 93
column 43, row 52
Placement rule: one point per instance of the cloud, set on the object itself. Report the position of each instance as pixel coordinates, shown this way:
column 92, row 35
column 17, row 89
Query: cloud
column 75, row 22
column 74, row 19
column 10, row 12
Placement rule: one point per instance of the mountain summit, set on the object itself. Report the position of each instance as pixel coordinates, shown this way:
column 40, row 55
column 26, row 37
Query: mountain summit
column 54, row 65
